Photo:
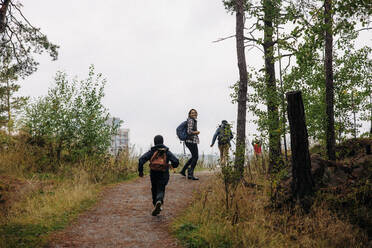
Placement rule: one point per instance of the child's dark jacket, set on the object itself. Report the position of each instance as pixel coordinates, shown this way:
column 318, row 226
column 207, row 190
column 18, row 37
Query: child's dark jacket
column 147, row 156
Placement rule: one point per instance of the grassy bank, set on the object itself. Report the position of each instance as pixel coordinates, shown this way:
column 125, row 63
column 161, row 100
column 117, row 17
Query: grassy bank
column 48, row 206
column 251, row 221
column 36, row 201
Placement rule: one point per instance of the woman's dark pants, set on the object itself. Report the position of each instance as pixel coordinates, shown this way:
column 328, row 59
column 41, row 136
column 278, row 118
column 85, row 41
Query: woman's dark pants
column 159, row 180
column 191, row 163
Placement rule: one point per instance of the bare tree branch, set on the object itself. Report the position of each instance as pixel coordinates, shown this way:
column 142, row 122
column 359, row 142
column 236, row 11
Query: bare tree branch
column 286, row 55
column 24, row 18
column 222, row 39
column 251, row 39
column 289, row 63
column 13, row 46
column 363, row 29
column 18, row 39
column 251, row 46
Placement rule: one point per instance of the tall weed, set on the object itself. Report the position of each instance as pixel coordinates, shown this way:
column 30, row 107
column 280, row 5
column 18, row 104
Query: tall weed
column 251, row 222
column 38, row 197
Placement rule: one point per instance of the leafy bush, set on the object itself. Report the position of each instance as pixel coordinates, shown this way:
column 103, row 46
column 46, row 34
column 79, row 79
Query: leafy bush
column 72, row 118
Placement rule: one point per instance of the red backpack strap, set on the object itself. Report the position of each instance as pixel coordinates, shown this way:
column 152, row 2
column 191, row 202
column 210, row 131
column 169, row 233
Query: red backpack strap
column 153, row 157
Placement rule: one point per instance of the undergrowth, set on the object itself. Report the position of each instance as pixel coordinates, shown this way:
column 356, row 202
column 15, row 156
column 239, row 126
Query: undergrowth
column 30, row 221
column 250, row 220
column 38, row 198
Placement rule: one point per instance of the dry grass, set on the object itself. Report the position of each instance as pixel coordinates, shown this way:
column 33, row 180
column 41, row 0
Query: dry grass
column 49, row 206
column 50, row 200
column 38, row 198
column 24, row 160
column 20, row 159
column 250, row 222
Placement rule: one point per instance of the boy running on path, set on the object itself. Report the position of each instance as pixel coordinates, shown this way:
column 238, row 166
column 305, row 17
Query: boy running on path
column 159, row 157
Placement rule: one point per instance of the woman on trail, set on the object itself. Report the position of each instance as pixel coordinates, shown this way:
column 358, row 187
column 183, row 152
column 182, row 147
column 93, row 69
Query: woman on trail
column 192, row 142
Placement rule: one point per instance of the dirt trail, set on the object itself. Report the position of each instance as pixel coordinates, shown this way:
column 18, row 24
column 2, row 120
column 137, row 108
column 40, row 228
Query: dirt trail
column 122, row 218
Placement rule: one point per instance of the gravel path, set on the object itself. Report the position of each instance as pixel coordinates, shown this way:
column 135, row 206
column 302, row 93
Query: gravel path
column 122, row 218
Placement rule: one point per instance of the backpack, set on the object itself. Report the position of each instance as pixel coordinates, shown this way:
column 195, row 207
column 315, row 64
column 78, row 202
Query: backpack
column 182, row 131
column 224, row 135
column 158, row 161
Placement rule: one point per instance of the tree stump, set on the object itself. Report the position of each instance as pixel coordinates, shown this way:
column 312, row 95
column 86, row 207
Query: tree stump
column 302, row 180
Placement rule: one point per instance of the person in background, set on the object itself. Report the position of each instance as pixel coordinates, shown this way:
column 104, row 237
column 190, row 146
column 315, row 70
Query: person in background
column 257, row 147
column 191, row 142
column 159, row 157
column 224, row 135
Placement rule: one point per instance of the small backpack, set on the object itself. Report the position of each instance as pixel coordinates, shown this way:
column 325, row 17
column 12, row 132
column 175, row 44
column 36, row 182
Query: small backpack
column 224, row 134
column 158, row 161
column 182, row 131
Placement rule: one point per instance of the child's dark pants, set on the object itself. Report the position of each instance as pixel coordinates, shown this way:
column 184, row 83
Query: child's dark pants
column 159, row 180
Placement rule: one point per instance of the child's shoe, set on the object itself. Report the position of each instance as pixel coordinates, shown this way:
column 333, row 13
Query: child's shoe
column 157, row 208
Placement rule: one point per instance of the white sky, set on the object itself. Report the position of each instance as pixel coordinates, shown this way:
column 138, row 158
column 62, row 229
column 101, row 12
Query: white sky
column 158, row 58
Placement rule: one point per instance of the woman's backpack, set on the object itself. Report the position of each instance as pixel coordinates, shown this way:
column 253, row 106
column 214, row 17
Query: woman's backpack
column 182, row 131
column 158, row 161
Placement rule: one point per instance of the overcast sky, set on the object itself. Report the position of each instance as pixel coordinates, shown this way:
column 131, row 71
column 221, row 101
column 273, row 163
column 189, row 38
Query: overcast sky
column 158, row 58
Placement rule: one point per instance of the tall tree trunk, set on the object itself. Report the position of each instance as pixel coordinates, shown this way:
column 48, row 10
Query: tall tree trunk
column 10, row 124
column 328, row 68
column 302, row 180
column 370, row 102
column 272, row 101
column 3, row 10
column 283, row 99
column 58, row 151
column 354, row 115
column 368, row 148
column 242, row 93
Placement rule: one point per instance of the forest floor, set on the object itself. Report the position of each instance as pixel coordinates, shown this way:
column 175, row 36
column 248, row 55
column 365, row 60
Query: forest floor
column 122, row 217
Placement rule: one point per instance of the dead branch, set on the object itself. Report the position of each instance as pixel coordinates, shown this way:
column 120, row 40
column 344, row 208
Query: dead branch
column 24, row 18
column 252, row 46
column 225, row 38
